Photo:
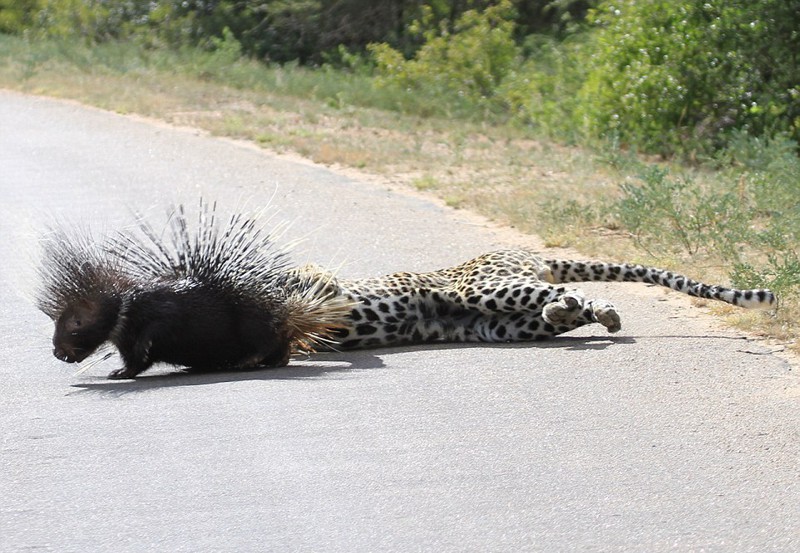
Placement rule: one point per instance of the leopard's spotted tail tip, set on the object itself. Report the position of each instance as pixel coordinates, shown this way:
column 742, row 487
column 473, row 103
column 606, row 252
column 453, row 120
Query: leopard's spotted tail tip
column 755, row 299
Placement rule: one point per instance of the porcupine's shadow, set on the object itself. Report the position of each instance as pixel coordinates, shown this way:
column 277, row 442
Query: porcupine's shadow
column 304, row 368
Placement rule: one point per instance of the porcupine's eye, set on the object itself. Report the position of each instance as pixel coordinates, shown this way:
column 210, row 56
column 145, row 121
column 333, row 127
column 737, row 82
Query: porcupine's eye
column 74, row 326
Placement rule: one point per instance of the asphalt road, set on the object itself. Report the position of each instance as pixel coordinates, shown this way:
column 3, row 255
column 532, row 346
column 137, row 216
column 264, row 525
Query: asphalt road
column 672, row 435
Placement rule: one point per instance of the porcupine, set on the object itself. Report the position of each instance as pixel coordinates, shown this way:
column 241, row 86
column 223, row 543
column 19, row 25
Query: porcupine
column 220, row 298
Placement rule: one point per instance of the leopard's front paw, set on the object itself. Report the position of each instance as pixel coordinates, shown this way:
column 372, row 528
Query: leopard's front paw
column 565, row 310
column 606, row 314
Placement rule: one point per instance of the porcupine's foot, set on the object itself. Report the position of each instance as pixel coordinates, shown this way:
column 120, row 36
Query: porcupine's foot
column 122, row 374
column 604, row 312
column 565, row 310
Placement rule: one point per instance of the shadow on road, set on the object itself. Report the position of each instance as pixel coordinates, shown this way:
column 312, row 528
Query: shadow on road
column 322, row 364
column 569, row 343
column 165, row 377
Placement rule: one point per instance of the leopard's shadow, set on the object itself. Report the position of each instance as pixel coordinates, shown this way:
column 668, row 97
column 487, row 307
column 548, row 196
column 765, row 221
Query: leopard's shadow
column 569, row 343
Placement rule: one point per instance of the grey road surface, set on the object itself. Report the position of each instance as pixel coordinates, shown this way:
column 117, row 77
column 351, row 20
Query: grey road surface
column 673, row 435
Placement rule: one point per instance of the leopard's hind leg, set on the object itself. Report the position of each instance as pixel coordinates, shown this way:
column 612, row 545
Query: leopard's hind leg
column 569, row 312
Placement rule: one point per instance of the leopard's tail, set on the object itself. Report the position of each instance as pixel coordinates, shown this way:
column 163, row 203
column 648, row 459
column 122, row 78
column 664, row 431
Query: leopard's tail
column 583, row 271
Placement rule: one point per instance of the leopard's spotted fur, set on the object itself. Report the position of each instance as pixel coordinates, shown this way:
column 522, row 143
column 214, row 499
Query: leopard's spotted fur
column 504, row 296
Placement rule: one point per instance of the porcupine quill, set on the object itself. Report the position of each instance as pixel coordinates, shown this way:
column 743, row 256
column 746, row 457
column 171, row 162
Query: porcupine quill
column 217, row 298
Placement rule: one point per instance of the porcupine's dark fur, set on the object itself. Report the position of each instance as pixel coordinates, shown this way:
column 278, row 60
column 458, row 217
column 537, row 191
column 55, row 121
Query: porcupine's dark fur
column 218, row 298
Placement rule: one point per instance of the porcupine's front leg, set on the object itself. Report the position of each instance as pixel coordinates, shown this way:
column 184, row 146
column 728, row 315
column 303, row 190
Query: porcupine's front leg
column 135, row 356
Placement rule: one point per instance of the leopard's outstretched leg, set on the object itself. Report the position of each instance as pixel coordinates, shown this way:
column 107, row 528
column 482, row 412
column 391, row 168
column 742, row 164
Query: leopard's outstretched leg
column 565, row 310
column 507, row 295
column 604, row 312
column 592, row 311
column 563, row 316
column 569, row 312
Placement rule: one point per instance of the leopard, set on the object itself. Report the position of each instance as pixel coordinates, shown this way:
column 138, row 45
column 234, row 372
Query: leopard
column 511, row 295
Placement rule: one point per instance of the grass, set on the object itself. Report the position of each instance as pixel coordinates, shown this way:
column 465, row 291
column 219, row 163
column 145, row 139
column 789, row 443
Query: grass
column 570, row 196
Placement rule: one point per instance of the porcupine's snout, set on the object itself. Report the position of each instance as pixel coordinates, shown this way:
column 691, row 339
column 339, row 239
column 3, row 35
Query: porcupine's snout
column 69, row 356
column 62, row 355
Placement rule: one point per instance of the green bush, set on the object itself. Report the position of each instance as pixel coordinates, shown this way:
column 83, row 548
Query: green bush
column 674, row 214
column 17, row 16
column 90, row 20
column 542, row 92
column 780, row 273
column 748, row 218
column 469, row 62
column 678, row 76
column 771, row 169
